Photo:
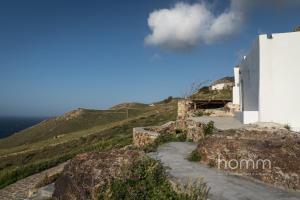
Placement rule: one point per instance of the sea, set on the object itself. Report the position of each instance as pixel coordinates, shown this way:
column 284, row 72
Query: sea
column 11, row 125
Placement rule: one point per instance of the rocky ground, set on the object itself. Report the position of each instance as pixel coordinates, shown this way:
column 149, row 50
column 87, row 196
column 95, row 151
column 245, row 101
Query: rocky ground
column 272, row 154
column 88, row 173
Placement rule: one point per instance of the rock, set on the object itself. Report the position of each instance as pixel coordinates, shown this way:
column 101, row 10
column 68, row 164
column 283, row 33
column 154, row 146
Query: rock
column 232, row 108
column 194, row 130
column 272, row 155
column 43, row 193
column 87, row 173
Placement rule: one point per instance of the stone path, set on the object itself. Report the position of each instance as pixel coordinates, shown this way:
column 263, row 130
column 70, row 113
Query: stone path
column 222, row 186
column 19, row 190
column 222, row 123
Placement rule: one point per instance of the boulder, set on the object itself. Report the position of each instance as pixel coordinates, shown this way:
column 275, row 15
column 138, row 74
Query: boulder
column 270, row 155
column 88, row 173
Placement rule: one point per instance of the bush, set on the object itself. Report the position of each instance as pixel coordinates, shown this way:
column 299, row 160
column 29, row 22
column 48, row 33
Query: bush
column 199, row 113
column 190, row 140
column 194, row 190
column 148, row 180
column 194, row 156
column 164, row 138
column 168, row 100
column 204, row 90
column 161, row 139
column 209, row 128
column 12, row 175
column 180, row 135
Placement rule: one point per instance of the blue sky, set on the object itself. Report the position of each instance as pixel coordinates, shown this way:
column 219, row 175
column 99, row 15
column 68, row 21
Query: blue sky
column 59, row 55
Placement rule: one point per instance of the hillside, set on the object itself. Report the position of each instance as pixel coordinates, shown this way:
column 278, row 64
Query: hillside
column 57, row 140
column 205, row 93
column 76, row 120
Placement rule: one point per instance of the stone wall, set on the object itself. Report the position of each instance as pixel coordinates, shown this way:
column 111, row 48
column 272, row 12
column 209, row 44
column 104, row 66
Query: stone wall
column 142, row 137
column 194, row 130
column 184, row 106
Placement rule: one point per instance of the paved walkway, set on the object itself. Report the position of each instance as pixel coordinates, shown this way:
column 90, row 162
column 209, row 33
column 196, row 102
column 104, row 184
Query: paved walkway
column 222, row 187
column 222, row 123
column 19, row 190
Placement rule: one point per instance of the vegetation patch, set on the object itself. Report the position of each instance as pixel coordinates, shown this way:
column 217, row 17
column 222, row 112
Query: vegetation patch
column 199, row 113
column 26, row 159
column 194, row 156
column 165, row 138
column 208, row 128
column 148, row 180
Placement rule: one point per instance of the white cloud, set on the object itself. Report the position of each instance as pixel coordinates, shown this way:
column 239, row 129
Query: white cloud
column 185, row 25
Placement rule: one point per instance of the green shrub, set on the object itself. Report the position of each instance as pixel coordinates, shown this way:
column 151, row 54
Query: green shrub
column 190, row 140
column 204, row 90
column 12, row 175
column 181, row 137
column 168, row 100
column 148, row 180
column 194, row 190
column 165, row 138
column 200, row 113
column 161, row 139
column 194, row 156
column 209, row 128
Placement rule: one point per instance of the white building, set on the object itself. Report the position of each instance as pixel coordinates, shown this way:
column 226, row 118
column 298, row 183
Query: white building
column 267, row 81
column 223, row 83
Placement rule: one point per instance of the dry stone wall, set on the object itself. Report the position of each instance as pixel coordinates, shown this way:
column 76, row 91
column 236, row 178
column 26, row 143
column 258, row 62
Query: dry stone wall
column 184, row 106
column 194, row 130
column 142, row 137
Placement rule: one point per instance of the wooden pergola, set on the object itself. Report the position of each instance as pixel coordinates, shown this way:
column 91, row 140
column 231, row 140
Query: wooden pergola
column 207, row 104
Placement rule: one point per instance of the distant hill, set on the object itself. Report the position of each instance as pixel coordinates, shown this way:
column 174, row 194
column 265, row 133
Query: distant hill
column 130, row 106
column 58, row 139
column 226, row 79
column 205, row 93
column 75, row 120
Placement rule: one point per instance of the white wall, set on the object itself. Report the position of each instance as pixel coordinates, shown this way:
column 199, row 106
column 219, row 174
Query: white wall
column 247, row 117
column 279, row 94
column 219, row 86
column 249, row 76
column 236, row 87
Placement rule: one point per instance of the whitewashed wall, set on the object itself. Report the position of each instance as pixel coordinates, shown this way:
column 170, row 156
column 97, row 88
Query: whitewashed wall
column 279, row 94
column 236, row 87
column 249, row 75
